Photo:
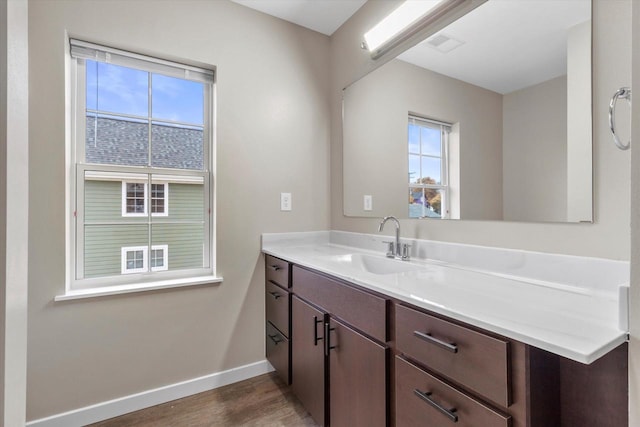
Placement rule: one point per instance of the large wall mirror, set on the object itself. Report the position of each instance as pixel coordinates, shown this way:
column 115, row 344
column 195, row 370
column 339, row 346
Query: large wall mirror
column 488, row 119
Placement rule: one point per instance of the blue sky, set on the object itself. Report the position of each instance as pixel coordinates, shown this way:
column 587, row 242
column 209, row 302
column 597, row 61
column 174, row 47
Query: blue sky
column 426, row 141
column 117, row 89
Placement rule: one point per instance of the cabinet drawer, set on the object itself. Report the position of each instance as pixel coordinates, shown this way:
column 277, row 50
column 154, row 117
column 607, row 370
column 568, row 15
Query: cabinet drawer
column 277, row 302
column 423, row 400
column 472, row 359
column 360, row 309
column 277, row 271
column 278, row 352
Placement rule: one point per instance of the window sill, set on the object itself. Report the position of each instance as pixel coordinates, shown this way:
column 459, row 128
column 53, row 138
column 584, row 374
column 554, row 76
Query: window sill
column 127, row 289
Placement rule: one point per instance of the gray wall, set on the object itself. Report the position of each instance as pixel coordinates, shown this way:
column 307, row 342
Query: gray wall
column 14, row 208
column 3, row 196
column 376, row 109
column 634, row 305
column 272, row 136
column 608, row 237
column 534, row 154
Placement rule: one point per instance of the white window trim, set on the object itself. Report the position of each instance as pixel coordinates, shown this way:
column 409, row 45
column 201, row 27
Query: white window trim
column 123, row 258
column 165, row 257
column 166, row 199
column 124, row 200
column 76, row 285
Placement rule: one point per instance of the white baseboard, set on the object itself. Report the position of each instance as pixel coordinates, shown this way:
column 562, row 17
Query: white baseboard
column 135, row 402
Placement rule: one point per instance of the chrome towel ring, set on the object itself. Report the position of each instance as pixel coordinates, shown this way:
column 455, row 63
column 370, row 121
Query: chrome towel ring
column 624, row 93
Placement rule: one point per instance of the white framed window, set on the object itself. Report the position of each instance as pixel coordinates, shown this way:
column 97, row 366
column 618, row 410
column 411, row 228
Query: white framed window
column 160, row 199
column 134, row 259
column 139, row 127
column 135, row 199
column 159, row 257
column 137, row 259
column 428, row 149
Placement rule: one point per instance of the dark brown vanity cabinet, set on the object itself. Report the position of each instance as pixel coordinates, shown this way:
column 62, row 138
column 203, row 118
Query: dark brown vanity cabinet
column 277, row 309
column 359, row 358
column 338, row 372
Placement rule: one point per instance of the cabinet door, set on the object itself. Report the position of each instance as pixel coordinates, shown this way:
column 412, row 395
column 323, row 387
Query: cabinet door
column 357, row 378
column 307, row 357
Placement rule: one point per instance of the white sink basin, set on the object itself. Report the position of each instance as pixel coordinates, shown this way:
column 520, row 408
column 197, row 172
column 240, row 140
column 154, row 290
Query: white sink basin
column 377, row 264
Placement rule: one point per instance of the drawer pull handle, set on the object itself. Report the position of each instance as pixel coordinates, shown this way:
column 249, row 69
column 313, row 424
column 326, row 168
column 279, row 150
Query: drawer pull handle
column 316, row 338
column 426, row 396
column 275, row 338
column 452, row 347
column 275, row 295
column 273, row 267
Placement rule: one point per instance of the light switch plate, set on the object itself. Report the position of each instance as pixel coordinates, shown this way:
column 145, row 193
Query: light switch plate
column 368, row 202
column 285, row 201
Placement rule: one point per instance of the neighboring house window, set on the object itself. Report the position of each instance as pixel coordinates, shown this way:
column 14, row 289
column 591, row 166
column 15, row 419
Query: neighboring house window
column 136, row 259
column 159, row 199
column 134, row 199
column 141, row 128
column 159, row 257
column 428, row 143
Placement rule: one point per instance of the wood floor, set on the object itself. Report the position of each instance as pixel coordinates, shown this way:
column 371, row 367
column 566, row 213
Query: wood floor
column 260, row 401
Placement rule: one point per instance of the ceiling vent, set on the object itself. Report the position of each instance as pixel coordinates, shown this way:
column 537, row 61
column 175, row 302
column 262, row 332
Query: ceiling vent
column 443, row 43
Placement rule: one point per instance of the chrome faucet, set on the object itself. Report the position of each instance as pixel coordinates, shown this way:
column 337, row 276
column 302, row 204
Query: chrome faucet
column 396, row 250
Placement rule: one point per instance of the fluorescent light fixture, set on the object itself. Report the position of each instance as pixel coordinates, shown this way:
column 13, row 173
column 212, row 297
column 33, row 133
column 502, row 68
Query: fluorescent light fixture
column 407, row 14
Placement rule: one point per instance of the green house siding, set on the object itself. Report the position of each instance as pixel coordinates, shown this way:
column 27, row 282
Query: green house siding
column 103, row 247
column 182, row 230
column 185, row 243
column 103, row 202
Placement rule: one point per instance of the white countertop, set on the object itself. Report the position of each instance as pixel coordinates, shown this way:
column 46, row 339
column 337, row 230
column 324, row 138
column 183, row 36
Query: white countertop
column 578, row 319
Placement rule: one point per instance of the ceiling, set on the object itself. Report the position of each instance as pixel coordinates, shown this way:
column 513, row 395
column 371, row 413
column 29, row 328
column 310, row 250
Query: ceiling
column 323, row 16
column 507, row 44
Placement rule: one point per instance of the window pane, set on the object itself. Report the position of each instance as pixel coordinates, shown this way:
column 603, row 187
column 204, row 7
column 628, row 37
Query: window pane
column 431, row 138
column 118, row 89
column 103, row 248
column 177, row 99
column 431, row 170
column 425, row 203
column 116, row 141
column 414, row 139
column 92, row 85
column 185, row 244
column 177, row 147
column 135, row 198
column 414, row 169
column 157, row 258
column 158, row 194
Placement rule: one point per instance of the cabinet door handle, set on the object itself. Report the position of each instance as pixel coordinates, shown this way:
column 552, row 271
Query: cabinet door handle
column 452, row 347
column 426, row 396
column 275, row 339
column 327, row 342
column 273, row 267
column 316, row 338
column 275, row 295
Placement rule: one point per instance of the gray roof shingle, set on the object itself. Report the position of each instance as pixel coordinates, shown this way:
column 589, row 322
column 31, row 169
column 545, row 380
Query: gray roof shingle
column 126, row 142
